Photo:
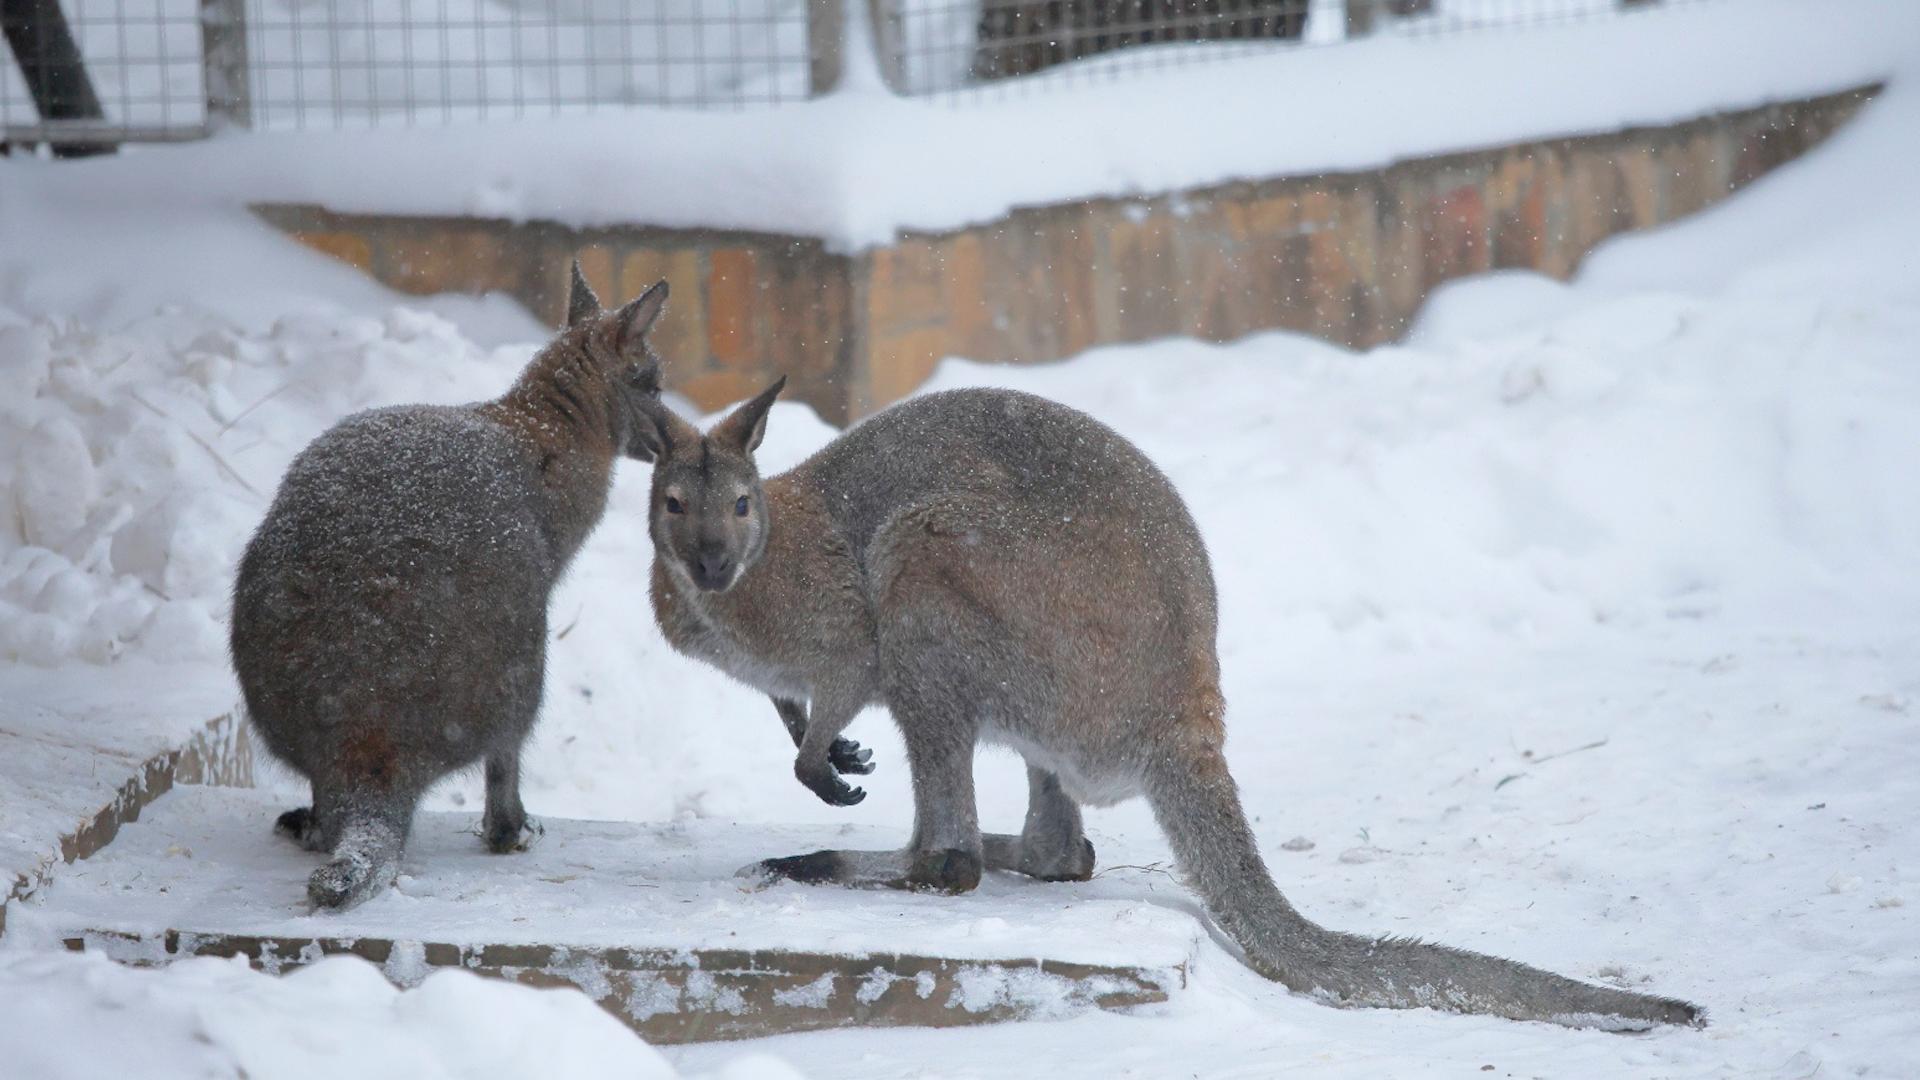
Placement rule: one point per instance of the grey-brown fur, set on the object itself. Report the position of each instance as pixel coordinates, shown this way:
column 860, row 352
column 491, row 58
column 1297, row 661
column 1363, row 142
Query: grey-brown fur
column 994, row 567
column 390, row 614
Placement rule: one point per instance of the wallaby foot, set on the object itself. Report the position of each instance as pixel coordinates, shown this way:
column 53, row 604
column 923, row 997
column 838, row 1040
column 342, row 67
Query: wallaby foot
column 505, row 826
column 1011, row 853
column 947, row 870
column 1053, row 845
column 366, row 856
column 302, row 826
column 506, row 837
column 349, row 881
column 818, row 868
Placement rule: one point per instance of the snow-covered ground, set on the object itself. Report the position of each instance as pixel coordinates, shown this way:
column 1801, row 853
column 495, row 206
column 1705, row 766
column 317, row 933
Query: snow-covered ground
column 81, row 1016
column 1583, row 628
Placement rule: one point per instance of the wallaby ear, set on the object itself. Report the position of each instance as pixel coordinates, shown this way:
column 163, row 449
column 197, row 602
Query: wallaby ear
column 743, row 429
column 634, row 319
column 582, row 305
column 659, row 431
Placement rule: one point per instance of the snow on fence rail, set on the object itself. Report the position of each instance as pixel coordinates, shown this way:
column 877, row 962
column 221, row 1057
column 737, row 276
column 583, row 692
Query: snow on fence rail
column 91, row 73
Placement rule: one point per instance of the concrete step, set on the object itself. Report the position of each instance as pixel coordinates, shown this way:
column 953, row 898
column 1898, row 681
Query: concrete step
column 647, row 919
column 81, row 758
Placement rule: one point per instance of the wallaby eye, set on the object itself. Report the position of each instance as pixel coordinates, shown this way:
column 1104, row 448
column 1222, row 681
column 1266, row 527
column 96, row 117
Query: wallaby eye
column 740, row 506
column 673, row 506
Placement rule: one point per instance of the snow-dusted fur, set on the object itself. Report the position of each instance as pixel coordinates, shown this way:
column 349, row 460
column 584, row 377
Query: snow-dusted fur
column 390, row 614
column 996, row 567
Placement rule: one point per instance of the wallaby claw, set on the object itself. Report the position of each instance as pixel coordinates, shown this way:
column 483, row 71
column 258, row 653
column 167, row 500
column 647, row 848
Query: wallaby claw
column 847, row 756
column 824, row 782
column 837, row 792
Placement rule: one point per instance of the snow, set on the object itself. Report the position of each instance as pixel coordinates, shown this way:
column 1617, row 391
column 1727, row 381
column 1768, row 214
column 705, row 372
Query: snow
column 82, row 1015
column 70, row 741
column 1586, row 616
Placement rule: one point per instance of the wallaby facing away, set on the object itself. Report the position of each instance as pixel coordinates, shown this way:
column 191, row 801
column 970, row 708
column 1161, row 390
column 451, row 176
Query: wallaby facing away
column 390, row 615
column 996, row 567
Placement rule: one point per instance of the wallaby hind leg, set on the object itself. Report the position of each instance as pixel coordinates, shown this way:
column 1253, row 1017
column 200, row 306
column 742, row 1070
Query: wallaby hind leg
column 944, row 855
column 505, row 826
column 1053, row 845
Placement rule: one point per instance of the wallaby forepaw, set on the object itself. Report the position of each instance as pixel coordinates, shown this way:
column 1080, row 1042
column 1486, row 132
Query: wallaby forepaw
column 847, row 756
column 816, row 868
column 508, row 836
column 827, row 784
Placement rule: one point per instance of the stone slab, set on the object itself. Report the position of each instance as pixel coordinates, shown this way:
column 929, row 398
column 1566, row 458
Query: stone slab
column 648, row 919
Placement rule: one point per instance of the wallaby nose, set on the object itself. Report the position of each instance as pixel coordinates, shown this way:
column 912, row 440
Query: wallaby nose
column 713, row 569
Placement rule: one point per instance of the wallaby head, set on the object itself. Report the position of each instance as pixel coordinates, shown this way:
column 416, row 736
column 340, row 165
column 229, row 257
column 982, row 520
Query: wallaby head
column 614, row 344
column 709, row 513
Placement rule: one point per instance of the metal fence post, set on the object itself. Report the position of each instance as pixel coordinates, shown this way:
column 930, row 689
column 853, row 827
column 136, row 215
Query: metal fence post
column 889, row 44
column 223, row 39
column 1359, row 18
column 55, row 74
column 823, row 45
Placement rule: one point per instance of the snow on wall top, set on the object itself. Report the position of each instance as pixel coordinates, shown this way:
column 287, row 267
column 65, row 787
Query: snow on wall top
column 858, row 167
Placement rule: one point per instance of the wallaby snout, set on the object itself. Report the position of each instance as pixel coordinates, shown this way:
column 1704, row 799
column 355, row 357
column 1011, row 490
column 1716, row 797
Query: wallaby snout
column 714, row 569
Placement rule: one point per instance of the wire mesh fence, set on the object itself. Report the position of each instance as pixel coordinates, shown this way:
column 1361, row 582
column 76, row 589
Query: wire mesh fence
column 104, row 71
column 171, row 68
column 348, row 63
column 957, row 49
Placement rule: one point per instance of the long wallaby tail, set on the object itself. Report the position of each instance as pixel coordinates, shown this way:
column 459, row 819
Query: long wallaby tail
column 365, row 860
column 1198, row 806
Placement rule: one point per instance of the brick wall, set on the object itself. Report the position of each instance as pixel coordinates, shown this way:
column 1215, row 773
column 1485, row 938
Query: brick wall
column 1347, row 257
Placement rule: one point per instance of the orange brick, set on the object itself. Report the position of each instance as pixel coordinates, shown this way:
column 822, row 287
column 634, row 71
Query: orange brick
column 712, row 390
column 351, row 248
column 452, row 259
column 731, row 300
column 897, row 365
